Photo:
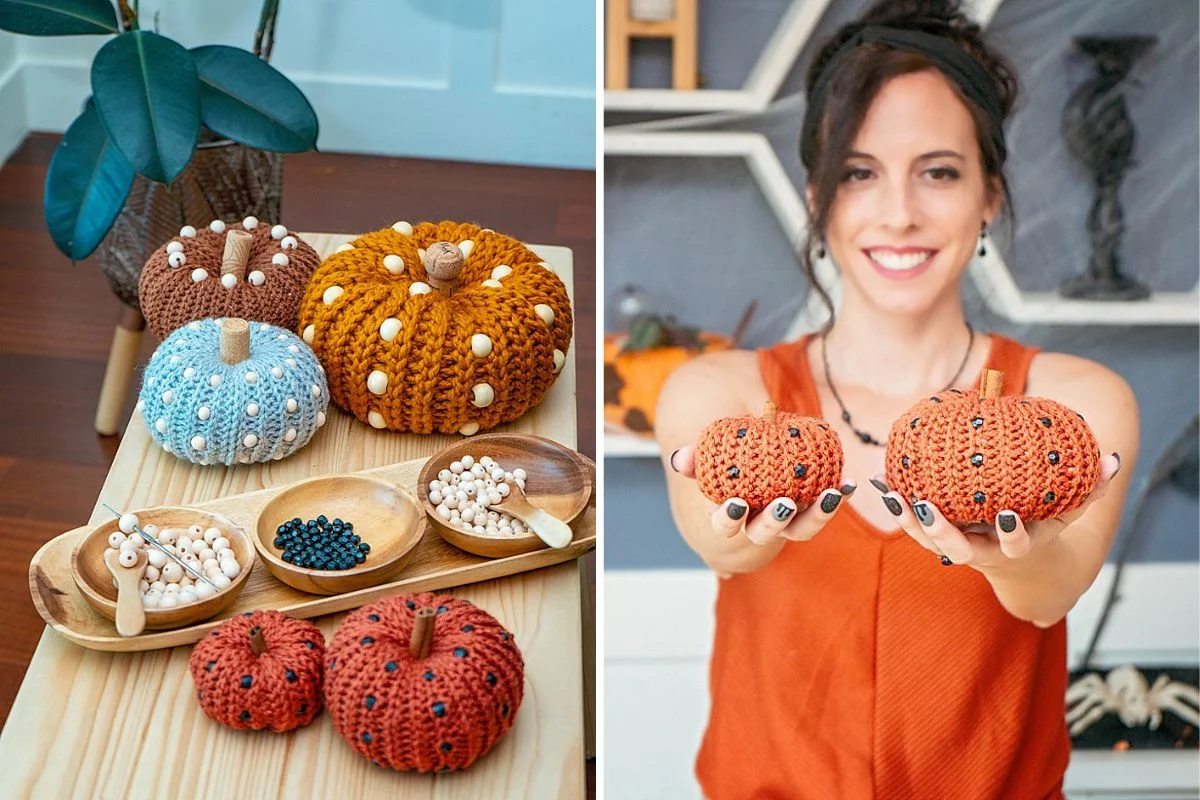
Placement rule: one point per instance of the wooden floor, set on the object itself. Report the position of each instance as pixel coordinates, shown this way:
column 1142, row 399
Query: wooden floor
column 56, row 323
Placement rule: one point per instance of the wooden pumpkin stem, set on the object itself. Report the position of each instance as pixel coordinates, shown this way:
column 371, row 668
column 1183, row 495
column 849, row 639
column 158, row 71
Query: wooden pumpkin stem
column 421, row 644
column 769, row 411
column 237, row 254
column 258, row 645
column 235, row 340
column 990, row 384
column 443, row 262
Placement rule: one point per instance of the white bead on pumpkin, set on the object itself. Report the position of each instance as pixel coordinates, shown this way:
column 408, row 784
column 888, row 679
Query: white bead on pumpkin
column 502, row 271
column 308, row 334
column 291, row 405
column 279, row 260
column 252, row 409
column 419, row 287
column 331, row 294
column 250, row 441
column 389, row 328
column 160, row 425
column 546, row 313
column 403, row 228
column 250, row 223
column 176, row 259
column 289, row 243
column 277, row 372
column 278, row 231
column 229, row 280
column 198, row 442
column 481, row 345
column 174, row 247
column 393, row 263
column 187, row 232
column 492, row 284
column 199, row 274
column 216, row 226
column 376, row 420
column 377, row 382
column 483, row 395
column 257, row 278
column 251, row 377
column 560, row 358
column 214, row 381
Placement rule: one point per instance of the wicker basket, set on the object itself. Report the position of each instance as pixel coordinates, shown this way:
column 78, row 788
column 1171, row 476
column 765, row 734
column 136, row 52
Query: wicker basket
column 224, row 180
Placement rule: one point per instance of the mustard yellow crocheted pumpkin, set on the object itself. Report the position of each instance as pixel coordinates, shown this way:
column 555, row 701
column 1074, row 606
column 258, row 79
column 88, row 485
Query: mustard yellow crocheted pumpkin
column 442, row 327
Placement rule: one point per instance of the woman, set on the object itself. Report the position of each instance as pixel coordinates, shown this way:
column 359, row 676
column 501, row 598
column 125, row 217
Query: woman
column 865, row 647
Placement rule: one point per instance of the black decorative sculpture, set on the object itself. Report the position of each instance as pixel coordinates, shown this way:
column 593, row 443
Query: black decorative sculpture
column 1099, row 132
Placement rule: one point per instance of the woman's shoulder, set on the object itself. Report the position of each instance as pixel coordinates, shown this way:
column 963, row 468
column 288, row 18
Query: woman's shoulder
column 717, row 382
column 1096, row 391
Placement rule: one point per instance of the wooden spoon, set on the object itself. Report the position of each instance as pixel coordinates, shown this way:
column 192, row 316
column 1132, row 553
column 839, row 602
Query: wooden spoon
column 551, row 530
column 131, row 616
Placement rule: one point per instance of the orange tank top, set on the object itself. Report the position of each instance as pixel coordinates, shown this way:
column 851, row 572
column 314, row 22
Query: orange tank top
column 855, row 666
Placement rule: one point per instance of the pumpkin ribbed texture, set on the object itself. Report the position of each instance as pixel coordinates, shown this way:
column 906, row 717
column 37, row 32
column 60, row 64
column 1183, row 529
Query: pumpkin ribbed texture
column 361, row 316
column 170, row 298
column 429, row 714
column 279, row 689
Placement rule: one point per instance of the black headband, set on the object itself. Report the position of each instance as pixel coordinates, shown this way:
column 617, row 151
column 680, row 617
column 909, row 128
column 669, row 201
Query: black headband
column 964, row 71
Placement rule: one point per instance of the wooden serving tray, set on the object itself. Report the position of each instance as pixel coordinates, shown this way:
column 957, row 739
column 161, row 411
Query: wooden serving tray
column 434, row 565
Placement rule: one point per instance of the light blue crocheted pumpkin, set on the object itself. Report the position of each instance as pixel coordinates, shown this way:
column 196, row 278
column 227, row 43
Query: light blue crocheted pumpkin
column 209, row 412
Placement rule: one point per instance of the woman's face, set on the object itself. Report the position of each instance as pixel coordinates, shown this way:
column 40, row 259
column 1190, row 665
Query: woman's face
column 913, row 195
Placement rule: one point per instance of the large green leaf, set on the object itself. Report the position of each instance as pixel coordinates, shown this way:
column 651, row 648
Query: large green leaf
column 148, row 96
column 86, row 186
column 58, row 17
column 245, row 99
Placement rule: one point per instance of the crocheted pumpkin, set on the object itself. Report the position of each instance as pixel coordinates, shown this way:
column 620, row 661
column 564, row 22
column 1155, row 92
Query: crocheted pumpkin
column 637, row 364
column 261, row 669
column 974, row 455
column 761, row 458
column 251, row 270
column 225, row 391
column 440, row 327
column 423, row 682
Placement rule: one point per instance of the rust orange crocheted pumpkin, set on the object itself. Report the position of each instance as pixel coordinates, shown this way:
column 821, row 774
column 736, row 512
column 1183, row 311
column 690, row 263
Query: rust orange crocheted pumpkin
column 443, row 327
column 976, row 454
column 423, row 682
column 261, row 669
column 250, row 270
column 761, row 458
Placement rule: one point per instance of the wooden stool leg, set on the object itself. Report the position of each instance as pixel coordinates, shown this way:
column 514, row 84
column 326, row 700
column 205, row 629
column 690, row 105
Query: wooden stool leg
column 683, row 46
column 127, row 340
column 616, row 51
column 588, row 611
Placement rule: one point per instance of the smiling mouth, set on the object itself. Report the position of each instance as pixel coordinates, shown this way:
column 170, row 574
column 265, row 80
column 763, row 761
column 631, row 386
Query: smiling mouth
column 900, row 262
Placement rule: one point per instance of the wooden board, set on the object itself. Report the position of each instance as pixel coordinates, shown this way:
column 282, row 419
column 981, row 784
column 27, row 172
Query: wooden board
column 434, row 565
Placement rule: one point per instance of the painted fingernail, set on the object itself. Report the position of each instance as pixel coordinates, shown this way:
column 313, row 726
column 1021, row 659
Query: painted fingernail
column 783, row 512
column 671, row 460
column 830, row 502
column 848, row 489
column 736, row 510
column 880, row 485
column 1008, row 522
column 1117, row 456
column 893, row 505
column 946, row 562
column 924, row 513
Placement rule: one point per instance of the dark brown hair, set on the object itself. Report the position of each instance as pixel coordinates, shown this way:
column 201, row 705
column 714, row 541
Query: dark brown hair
column 857, row 79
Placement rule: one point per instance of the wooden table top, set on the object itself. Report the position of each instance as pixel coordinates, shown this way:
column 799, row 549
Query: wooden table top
column 93, row 724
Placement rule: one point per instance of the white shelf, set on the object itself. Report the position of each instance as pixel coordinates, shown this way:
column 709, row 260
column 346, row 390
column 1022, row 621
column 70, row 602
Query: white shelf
column 623, row 445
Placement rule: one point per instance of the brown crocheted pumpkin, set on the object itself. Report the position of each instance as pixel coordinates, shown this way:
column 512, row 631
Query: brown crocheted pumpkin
column 423, row 682
column 761, row 458
column 261, row 669
column 974, row 455
column 250, row 270
column 442, row 327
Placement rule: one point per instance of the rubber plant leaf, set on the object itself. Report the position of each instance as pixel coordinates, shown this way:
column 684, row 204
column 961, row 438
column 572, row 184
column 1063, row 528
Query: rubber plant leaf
column 86, row 186
column 147, row 93
column 245, row 99
column 58, row 17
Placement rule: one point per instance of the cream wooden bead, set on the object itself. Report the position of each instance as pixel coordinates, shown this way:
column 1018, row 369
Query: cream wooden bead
column 222, row 581
column 220, row 543
column 128, row 558
column 157, row 558
column 172, row 572
column 168, row 601
column 116, row 539
column 211, row 535
column 183, row 544
column 204, row 591
column 187, row 596
column 230, row 568
column 127, row 523
column 151, row 574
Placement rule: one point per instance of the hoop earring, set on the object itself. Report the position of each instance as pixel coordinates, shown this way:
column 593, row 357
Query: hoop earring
column 982, row 240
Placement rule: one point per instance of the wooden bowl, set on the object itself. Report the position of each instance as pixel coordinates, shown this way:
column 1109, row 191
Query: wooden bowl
column 559, row 482
column 95, row 582
column 384, row 516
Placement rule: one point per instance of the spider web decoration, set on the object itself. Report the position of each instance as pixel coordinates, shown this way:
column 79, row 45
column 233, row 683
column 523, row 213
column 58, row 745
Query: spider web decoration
column 1092, row 690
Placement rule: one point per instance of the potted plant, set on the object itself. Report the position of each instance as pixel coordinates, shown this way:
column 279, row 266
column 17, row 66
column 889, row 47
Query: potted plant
column 170, row 135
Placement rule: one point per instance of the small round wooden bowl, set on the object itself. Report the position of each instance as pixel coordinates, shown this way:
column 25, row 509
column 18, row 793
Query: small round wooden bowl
column 559, row 482
column 95, row 582
column 384, row 516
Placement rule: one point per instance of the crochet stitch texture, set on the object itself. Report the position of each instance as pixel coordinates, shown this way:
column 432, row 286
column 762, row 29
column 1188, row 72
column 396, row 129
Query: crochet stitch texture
column 974, row 457
column 404, row 356
column 170, row 297
column 279, row 689
column 208, row 412
column 438, row 713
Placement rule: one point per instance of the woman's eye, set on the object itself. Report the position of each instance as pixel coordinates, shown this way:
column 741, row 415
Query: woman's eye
column 942, row 173
column 856, row 174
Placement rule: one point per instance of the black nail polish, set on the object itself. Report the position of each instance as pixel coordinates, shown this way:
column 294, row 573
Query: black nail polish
column 946, row 562
column 735, row 511
column 880, row 485
column 1117, row 456
column 847, row 489
column 1008, row 522
column 783, row 512
column 830, row 501
column 893, row 505
column 671, row 460
column 923, row 513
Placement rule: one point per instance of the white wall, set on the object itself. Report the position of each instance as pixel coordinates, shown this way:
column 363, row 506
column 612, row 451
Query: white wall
column 12, row 97
column 509, row 81
column 658, row 632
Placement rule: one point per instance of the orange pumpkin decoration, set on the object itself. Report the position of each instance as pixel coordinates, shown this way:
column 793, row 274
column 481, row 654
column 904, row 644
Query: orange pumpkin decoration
column 261, row 669
column 975, row 455
column 761, row 458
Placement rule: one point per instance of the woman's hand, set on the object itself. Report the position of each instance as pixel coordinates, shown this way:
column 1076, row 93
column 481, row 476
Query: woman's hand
column 1005, row 542
column 779, row 520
